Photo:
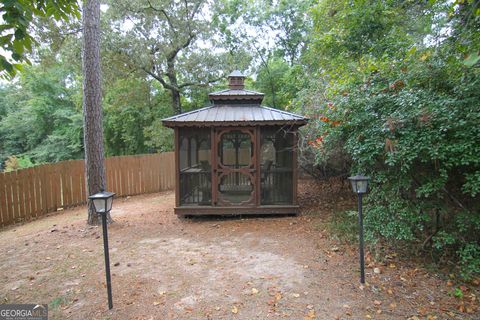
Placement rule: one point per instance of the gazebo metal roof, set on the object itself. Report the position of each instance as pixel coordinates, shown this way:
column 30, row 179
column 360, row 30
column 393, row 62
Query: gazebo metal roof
column 235, row 106
column 237, row 94
column 234, row 115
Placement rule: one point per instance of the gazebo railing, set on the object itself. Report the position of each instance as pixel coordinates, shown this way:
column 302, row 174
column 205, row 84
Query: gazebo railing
column 276, row 186
column 195, row 187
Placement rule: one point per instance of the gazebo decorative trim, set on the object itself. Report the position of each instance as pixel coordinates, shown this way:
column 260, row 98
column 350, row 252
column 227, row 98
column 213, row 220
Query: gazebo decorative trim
column 236, row 156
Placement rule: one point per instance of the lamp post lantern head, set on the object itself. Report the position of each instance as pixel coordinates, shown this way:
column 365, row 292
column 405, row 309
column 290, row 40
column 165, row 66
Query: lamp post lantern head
column 359, row 183
column 102, row 201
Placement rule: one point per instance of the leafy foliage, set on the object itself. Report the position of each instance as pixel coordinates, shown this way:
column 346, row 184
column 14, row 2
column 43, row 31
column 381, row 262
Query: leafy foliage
column 41, row 117
column 399, row 94
column 15, row 35
column 41, row 120
column 13, row 163
column 170, row 41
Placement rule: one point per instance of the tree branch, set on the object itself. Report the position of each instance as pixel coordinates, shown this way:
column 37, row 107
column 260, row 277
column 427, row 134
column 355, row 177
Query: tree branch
column 172, row 54
column 169, row 20
column 159, row 79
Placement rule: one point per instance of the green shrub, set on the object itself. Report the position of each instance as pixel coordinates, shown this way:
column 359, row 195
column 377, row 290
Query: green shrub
column 469, row 260
column 15, row 163
column 343, row 225
column 406, row 113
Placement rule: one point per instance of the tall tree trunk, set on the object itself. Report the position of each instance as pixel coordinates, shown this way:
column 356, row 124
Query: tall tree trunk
column 176, row 103
column 92, row 105
column 172, row 78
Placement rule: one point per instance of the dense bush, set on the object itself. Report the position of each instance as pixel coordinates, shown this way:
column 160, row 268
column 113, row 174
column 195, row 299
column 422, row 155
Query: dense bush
column 407, row 113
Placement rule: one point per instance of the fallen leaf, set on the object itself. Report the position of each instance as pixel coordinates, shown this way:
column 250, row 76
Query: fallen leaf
column 234, row 310
column 310, row 315
column 422, row 311
column 278, row 296
column 472, row 297
column 156, row 303
column 389, row 291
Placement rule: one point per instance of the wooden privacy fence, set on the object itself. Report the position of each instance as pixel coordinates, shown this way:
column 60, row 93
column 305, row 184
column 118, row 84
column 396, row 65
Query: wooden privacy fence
column 33, row 192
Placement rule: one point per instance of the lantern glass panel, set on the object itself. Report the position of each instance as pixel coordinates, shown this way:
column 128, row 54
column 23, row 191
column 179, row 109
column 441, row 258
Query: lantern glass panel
column 354, row 185
column 361, row 186
column 109, row 204
column 99, row 205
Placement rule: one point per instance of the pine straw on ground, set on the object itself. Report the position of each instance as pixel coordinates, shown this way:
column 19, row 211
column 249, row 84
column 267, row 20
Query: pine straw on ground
column 279, row 267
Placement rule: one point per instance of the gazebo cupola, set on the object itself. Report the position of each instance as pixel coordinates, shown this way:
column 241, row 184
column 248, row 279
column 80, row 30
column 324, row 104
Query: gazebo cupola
column 236, row 156
column 236, row 93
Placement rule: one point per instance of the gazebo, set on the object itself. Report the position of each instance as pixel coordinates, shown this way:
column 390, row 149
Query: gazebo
column 236, row 156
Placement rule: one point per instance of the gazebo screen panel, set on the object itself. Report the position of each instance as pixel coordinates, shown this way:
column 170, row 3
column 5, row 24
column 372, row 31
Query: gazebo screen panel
column 195, row 166
column 276, row 166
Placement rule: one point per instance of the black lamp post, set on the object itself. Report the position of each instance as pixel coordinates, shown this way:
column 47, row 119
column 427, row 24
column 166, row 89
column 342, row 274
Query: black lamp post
column 103, row 204
column 360, row 186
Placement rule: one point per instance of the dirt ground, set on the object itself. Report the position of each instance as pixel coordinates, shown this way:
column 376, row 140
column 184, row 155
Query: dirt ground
column 163, row 267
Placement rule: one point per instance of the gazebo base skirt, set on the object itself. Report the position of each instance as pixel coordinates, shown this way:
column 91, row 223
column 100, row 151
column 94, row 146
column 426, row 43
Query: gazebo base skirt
column 229, row 211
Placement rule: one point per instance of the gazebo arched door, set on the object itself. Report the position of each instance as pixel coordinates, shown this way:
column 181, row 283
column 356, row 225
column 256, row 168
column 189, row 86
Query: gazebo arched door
column 235, row 167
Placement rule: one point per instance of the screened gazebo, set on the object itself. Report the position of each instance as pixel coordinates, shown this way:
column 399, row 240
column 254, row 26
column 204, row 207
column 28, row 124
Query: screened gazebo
column 236, row 156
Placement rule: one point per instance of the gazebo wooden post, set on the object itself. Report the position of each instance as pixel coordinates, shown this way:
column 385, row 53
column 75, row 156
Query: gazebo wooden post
column 213, row 160
column 295, row 165
column 177, row 168
column 258, row 172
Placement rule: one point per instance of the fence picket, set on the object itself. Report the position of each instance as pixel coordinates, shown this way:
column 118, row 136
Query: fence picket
column 37, row 191
column 26, row 193
column 3, row 203
column 8, row 198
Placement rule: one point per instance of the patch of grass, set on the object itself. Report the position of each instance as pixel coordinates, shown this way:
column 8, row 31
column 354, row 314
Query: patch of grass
column 342, row 225
column 57, row 302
